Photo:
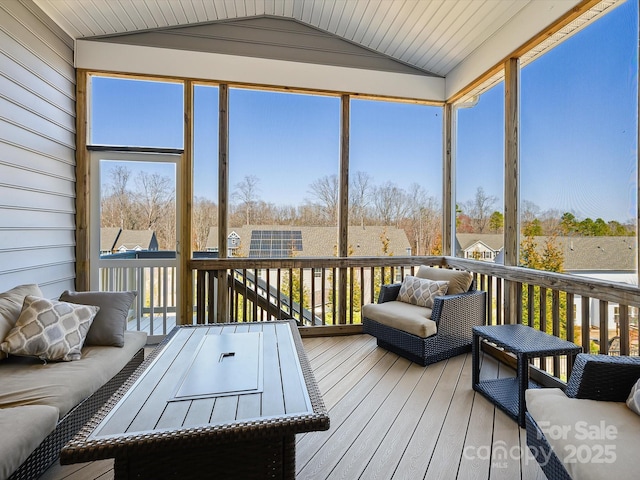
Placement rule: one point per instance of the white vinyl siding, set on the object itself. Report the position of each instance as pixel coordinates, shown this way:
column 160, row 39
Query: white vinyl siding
column 37, row 150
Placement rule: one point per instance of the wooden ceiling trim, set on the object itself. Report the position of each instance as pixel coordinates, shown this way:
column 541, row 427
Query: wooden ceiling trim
column 555, row 27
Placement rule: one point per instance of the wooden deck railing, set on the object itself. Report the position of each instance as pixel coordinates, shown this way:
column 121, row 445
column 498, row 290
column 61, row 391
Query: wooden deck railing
column 154, row 281
column 600, row 316
column 313, row 291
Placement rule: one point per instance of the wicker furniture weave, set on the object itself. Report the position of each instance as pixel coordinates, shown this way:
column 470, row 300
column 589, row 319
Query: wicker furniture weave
column 526, row 343
column 594, row 377
column 49, row 450
column 222, row 446
column 455, row 315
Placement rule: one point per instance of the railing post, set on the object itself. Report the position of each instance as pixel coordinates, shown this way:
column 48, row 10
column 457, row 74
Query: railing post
column 511, row 183
column 343, row 218
column 223, row 200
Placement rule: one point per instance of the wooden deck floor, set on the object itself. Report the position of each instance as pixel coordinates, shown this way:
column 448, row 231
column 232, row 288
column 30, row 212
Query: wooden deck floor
column 392, row 419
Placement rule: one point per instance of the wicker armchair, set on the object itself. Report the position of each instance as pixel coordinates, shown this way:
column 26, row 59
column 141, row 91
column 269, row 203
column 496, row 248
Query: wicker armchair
column 455, row 315
column 594, row 377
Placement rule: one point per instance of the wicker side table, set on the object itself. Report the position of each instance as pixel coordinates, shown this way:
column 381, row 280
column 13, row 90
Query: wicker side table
column 526, row 343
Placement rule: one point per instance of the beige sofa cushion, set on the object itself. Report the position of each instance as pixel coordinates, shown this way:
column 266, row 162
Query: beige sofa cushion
column 21, row 431
column 593, row 439
column 403, row 316
column 10, row 307
column 459, row 281
column 27, row 381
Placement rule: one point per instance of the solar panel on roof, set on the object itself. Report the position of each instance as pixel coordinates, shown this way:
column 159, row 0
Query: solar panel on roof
column 275, row 243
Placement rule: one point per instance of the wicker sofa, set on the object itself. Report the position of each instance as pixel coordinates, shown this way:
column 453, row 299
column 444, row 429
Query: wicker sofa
column 43, row 404
column 427, row 335
column 587, row 432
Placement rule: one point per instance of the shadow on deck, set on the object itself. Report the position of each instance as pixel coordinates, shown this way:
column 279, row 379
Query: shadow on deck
column 391, row 418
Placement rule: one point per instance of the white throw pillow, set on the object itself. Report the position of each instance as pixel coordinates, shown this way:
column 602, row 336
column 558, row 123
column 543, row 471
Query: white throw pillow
column 420, row 291
column 49, row 329
column 633, row 402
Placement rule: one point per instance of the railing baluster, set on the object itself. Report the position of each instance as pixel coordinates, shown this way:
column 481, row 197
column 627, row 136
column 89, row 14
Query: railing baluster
column 623, row 329
column 586, row 325
column 499, row 303
column 604, row 327
column 531, row 300
column 324, row 295
column 555, row 318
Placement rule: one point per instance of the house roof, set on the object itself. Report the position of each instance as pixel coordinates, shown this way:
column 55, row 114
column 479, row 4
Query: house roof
column 491, row 240
column 580, row 253
column 130, row 239
column 322, row 241
column 108, row 237
column 114, row 238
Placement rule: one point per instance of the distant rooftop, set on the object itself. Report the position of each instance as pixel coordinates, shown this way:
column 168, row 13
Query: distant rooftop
column 315, row 241
column 581, row 254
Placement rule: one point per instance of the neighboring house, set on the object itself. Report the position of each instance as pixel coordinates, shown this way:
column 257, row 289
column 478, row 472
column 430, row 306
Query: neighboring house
column 612, row 259
column 484, row 246
column 117, row 240
column 282, row 241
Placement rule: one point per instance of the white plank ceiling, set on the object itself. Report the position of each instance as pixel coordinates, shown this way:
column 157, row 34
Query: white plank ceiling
column 432, row 35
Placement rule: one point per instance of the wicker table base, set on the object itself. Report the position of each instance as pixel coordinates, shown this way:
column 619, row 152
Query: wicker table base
column 526, row 343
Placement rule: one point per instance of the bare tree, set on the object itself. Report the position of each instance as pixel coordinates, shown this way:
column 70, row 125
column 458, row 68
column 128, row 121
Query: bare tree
column 117, row 202
column 360, row 195
column 246, row 193
column 529, row 211
column 325, row 191
column 155, row 202
column 391, row 203
column 480, row 210
column 154, row 196
column 423, row 220
column 204, row 216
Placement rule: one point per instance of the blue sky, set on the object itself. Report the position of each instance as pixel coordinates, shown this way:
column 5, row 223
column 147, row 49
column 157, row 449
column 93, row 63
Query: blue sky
column 578, row 131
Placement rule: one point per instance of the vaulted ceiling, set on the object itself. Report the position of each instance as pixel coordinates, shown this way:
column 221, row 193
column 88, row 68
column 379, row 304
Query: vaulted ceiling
column 432, row 35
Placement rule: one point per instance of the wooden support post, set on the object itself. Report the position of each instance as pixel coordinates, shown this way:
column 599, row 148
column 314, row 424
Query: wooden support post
column 511, row 183
column 343, row 209
column 223, row 201
column 83, row 217
column 185, row 248
column 448, row 213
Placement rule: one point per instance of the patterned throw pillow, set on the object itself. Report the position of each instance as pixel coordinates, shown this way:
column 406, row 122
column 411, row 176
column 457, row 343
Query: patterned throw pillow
column 49, row 329
column 420, row 291
column 633, row 402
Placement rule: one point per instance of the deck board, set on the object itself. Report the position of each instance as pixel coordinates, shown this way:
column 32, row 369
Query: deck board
column 392, row 419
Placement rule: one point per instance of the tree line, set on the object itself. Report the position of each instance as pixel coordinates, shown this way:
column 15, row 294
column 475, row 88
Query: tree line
column 479, row 215
column 146, row 201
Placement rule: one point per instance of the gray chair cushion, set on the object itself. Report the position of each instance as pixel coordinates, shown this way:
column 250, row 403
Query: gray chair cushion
column 111, row 321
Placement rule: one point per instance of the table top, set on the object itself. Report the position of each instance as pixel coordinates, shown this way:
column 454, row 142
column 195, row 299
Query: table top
column 527, row 340
column 185, row 391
